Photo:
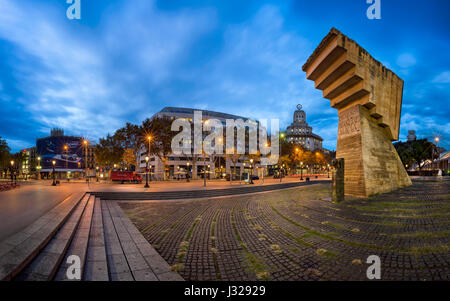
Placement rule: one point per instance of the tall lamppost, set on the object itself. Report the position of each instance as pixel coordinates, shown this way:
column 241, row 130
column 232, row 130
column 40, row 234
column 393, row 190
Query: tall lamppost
column 301, row 171
column 328, row 168
column 204, row 168
column 53, row 173
column 38, row 168
column 66, row 149
column 12, row 169
column 436, row 139
column 96, row 173
column 85, row 142
column 146, row 172
column 149, row 139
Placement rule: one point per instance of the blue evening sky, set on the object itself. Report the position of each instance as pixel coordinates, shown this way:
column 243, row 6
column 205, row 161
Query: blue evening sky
column 127, row 59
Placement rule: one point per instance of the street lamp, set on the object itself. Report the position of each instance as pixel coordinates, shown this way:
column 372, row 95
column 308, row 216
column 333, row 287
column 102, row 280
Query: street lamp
column 328, row 165
column 149, row 138
column 38, row 168
column 85, row 142
column 66, row 149
column 96, row 174
column 301, row 171
column 146, row 172
column 12, row 168
column 188, row 172
column 53, row 173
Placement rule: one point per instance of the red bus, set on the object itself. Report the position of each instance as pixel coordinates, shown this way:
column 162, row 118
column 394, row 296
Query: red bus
column 125, row 176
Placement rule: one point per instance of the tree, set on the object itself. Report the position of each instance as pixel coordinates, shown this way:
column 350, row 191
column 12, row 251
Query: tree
column 129, row 158
column 416, row 151
column 4, row 155
column 159, row 128
column 128, row 137
column 108, row 151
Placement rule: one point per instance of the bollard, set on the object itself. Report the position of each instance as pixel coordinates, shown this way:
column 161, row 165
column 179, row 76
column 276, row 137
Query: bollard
column 337, row 190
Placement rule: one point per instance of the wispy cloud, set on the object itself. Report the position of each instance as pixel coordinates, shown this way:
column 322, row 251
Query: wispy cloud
column 406, row 60
column 442, row 78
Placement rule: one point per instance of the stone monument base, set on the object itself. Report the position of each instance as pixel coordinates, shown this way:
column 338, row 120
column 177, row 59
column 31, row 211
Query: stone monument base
column 372, row 164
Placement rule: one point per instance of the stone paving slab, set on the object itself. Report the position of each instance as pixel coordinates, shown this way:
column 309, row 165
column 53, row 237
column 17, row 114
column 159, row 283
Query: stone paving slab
column 96, row 268
column 19, row 249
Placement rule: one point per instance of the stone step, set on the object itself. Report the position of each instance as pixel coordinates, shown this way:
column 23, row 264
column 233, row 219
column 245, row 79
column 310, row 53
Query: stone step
column 46, row 263
column 17, row 251
column 118, row 267
column 96, row 267
column 107, row 243
column 79, row 243
column 144, row 262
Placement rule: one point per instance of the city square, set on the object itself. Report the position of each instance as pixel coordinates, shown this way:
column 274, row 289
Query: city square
column 185, row 143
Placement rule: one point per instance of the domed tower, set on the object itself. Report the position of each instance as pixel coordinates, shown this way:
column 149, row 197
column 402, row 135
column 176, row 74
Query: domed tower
column 299, row 115
column 300, row 132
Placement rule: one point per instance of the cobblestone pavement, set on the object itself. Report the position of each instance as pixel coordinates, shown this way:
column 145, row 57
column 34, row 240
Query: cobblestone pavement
column 298, row 234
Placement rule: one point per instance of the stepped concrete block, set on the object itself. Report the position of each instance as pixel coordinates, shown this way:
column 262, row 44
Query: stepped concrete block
column 368, row 97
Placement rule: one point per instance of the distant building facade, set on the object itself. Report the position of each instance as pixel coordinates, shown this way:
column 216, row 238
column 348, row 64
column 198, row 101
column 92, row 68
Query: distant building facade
column 178, row 166
column 68, row 153
column 29, row 163
column 301, row 133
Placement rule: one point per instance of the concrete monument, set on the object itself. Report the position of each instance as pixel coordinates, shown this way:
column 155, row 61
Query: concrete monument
column 368, row 97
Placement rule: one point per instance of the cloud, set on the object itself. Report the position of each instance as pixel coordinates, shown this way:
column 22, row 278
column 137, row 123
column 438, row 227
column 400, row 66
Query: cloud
column 406, row 60
column 81, row 79
column 442, row 78
column 257, row 74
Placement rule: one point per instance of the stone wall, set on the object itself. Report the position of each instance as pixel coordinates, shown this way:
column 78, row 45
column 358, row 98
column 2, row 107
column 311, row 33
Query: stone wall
column 372, row 164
